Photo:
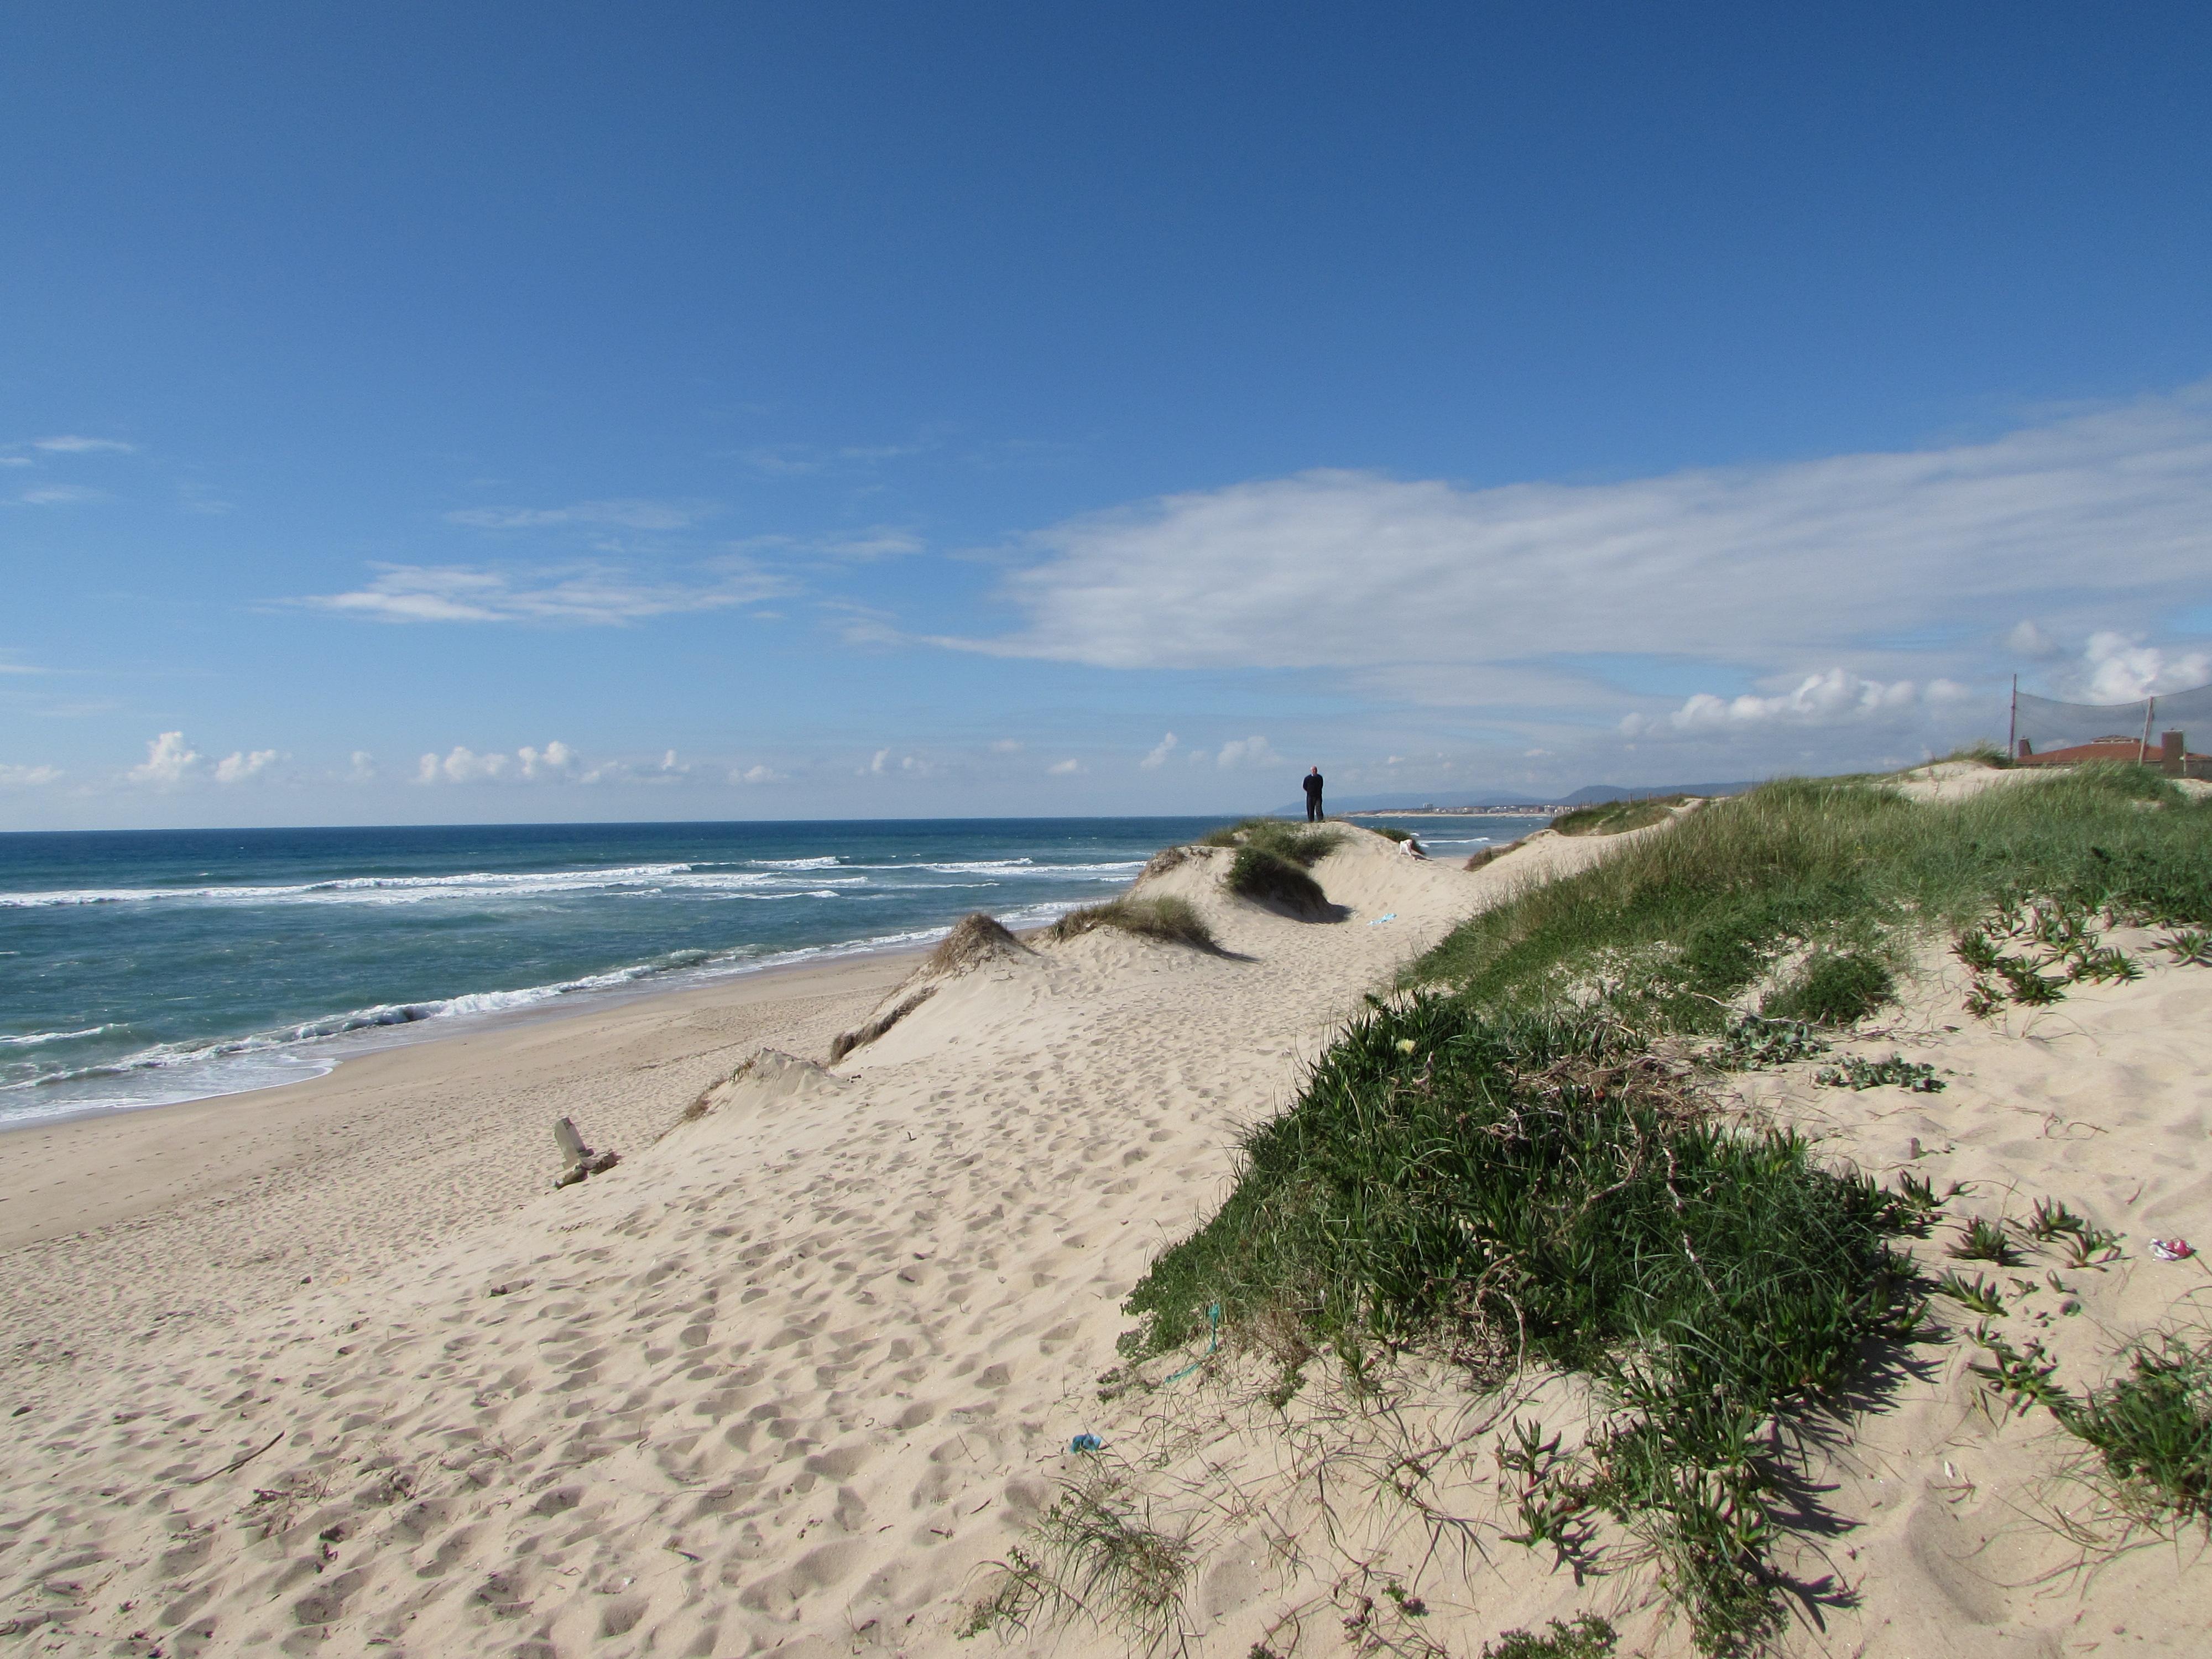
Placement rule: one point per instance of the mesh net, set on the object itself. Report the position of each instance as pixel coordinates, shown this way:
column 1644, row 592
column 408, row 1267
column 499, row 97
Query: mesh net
column 2046, row 723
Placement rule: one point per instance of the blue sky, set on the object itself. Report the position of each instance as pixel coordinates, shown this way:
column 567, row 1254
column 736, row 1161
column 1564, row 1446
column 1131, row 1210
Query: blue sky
column 507, row 412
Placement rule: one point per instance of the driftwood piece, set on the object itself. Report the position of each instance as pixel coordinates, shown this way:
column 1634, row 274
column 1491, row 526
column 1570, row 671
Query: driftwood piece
column 578, row 1160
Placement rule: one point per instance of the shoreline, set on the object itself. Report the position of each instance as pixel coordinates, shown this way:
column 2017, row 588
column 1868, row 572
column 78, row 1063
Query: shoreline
column 70, row 1176
column 351, row 1047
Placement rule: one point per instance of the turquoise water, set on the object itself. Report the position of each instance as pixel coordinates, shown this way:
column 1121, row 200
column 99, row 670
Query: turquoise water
column 138, row 969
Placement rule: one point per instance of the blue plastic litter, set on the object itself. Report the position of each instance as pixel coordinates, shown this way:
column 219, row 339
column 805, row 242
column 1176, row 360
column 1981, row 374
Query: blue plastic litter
column 1213, row 1313
column 1086, row 1443
column 1379, row 920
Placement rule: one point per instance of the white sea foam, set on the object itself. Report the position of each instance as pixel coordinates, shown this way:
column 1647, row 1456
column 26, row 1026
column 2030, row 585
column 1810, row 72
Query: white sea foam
column 31, row 1040
column 169, row 1072
column 415, row 890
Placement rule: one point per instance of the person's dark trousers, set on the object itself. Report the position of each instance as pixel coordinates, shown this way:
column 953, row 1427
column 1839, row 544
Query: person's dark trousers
column 1313, row 809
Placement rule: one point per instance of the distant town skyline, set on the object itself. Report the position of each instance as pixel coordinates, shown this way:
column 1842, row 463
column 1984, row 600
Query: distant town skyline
column 540, row 413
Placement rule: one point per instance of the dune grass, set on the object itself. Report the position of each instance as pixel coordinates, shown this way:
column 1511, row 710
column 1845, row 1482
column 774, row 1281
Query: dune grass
column 1678, row 924
column 2152, row 1429
column 976, row 936
column 1536, row 1186
column 1299, row 844
column 1266, row 879
column 1476, row 861
column 1171, row 920
column 1510, row 1175
column 1615, row 817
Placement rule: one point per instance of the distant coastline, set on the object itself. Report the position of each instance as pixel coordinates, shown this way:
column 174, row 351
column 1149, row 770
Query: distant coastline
column 1529, row 811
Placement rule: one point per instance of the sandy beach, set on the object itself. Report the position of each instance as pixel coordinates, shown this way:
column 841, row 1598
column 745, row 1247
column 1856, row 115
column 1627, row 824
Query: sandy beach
column 329, row 1369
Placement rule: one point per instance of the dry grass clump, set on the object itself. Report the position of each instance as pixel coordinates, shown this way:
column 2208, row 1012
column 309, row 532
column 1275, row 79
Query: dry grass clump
column 1492, row 854
column 1168, row 919
column 1167, row 859
column 975, row 938
column 1096, row 1554
column 845, row 1042
column 1615, row 817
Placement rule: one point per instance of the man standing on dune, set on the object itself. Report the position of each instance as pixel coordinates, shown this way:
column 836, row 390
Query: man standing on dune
column 1313, row 796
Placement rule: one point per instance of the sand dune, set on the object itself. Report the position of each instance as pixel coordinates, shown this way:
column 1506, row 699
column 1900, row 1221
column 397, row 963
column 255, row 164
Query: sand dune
column 806, row 1363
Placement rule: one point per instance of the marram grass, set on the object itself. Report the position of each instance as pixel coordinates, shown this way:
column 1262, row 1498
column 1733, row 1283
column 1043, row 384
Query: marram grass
column 1509, row 1174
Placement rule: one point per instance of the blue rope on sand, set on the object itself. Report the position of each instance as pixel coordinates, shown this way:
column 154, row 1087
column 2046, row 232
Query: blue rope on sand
column 1213, row 1313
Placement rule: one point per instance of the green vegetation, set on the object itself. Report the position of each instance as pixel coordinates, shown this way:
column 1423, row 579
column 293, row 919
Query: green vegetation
column 1171, row 920
column 1511, row 1175
column 1491, row 854
column 1539, row 1184
column 1094, row 1554
column 1273, row 857
column 1267, row 879
column 1385, row 831
column 2152, row 1429
column 1615, row 818
column 1670, row 929
column 1833, row 988
column 1981, row 1239
column 1856, row 1071
column 1986, row 752
column 1589, row 1637
column 1294, row 843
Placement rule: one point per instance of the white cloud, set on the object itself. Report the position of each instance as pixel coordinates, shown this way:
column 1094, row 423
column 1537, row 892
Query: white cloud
column 1007, row 746
column 1837, row 697
column 76, row 445
column 591, row 593
column 555, row 762
column 2117, row 668
column 882, row 543
column 1067, row 768
column 2027, row 639
column 58, row 495
column 1250, row 752
column 755, row 775
column 364, row 766
column 240, row 765
column 1444, row 594
column 876, row 764
column 1161, row 750
column 14, row 460
column 169, row 761
column 27, row 777
column 555, row 759
column 618, row 514
column 668, row 769
column 462, row 766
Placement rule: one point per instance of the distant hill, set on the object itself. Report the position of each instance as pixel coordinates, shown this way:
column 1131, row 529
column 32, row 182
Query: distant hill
column 1605, row 791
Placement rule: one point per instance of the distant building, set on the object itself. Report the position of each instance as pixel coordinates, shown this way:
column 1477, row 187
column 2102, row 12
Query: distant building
column 2170, row 756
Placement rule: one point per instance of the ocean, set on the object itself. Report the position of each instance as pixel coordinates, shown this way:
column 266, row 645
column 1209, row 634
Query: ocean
column 144, row 967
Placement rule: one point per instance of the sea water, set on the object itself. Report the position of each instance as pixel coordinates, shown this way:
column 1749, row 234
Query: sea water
column 143, row 968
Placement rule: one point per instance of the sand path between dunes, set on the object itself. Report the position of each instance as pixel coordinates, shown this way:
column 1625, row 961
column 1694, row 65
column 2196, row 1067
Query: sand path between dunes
column 784, row 1378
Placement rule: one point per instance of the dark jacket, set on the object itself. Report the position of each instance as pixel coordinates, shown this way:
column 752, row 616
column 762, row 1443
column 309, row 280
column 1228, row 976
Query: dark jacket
column 1313, row 784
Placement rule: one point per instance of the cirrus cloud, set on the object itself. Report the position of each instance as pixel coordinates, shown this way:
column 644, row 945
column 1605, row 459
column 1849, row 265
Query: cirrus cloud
column 628, row 515
column 600, row 595
column 1449, row 595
